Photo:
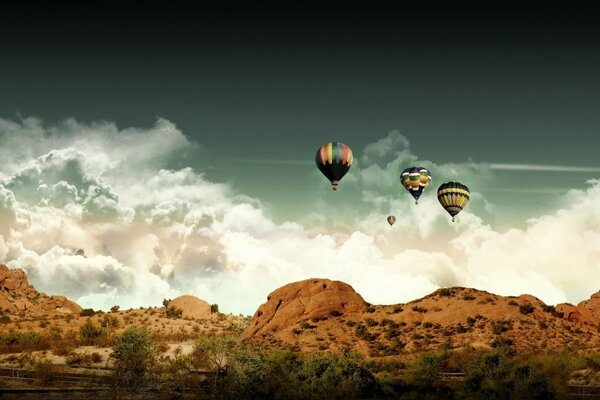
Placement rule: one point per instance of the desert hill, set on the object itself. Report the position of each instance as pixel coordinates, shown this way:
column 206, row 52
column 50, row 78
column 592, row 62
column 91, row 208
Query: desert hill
column 55, row 323
column 17, row 295
column 319, row 314
column 191, row 307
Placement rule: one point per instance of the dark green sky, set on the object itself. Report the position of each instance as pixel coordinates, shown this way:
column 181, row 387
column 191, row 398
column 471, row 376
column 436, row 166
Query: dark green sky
column 501, row 83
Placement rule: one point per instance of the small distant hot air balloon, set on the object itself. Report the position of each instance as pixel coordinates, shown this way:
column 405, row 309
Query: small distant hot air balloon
column 334, row 160
column 415, row 180
column 453, row 196
column 391, row 220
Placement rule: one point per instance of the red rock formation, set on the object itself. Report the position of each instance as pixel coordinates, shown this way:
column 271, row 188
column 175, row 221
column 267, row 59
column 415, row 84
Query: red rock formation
column 304, row 299
column 16, row 295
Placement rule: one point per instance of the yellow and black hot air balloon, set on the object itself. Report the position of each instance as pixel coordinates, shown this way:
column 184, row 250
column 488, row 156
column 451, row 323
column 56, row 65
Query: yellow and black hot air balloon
column 334, row 160
column 391, row 220
column 453, row 196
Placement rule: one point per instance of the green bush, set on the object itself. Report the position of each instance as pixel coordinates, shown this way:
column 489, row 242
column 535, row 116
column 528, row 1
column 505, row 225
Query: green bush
column 496, row 375
column 22, row 341
column 87, row 312
column 526, row 309
column 114, row 309
column 174, row 312
column 90, row 334
column 284, row 375
column 134, row 357
column 214, row 308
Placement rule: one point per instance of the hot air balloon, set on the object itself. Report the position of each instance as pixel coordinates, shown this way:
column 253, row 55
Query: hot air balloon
column 453, row 196
column 415, row 180
column 334, row 160
column 391, row 219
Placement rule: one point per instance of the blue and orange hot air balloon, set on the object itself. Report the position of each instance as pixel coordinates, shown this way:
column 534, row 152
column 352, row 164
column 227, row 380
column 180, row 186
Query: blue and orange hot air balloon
column 415, row 180
column 334, row 160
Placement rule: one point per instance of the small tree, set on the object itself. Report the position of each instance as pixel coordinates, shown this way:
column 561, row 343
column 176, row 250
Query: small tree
column 134, row 355
column 165, row 302
column 214, row 308
column 212, row 352
column 114, row 309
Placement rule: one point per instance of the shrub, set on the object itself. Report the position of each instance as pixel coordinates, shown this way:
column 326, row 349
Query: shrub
column 370, row 309
column 15, row 342
column 87, row 312
column 468, row 297
column 427, row 325
column 134, row 354
column 174, row 312
column 362, row 332
column 419, row 309
column 336, row 313
column 89, row 333
column 114, row 309
column 445, row 292
column 75, row 359
column 513, row 303
column 502, row 342
column 96, row 357
column 214, row 308
column 397, row 309
column 526, row 309
column 165, row 302
column 212, row 352
column 4, row 319
column 496, row 375
column 110, row 322
column 306, row 325
column 371, row 322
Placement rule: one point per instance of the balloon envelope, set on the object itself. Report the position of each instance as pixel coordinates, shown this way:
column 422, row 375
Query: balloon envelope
column 415, row 180
column 334, row 160
column 453, row 196
column 391, row 220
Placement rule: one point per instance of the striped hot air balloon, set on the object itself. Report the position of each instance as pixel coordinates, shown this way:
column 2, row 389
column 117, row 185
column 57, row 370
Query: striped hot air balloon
column 334, row 160
column 415, row 180
column 453, row 196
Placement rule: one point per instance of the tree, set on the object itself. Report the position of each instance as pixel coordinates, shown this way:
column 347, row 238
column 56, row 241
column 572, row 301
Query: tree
column 214, row 308
column 212, row 352
column 114, row 309
column 134, row 355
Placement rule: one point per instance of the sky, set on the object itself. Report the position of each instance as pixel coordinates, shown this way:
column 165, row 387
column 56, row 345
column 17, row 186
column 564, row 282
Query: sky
column 176, row 148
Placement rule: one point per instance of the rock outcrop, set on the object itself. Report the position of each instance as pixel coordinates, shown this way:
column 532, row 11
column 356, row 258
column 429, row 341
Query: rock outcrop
column 191, row 307
column 318, row 314
column 17, row 295
column 301, row 300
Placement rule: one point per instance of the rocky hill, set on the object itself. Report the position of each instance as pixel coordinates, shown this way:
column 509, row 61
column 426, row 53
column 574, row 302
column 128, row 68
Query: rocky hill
column 191, row 307
column 17, row 295
column 319, row 314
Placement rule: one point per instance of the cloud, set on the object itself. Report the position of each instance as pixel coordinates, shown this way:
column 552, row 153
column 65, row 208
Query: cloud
column 541, row 168
column 108, row 216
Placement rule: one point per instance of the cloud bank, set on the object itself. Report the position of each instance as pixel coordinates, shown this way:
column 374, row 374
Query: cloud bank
column 107, row 216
